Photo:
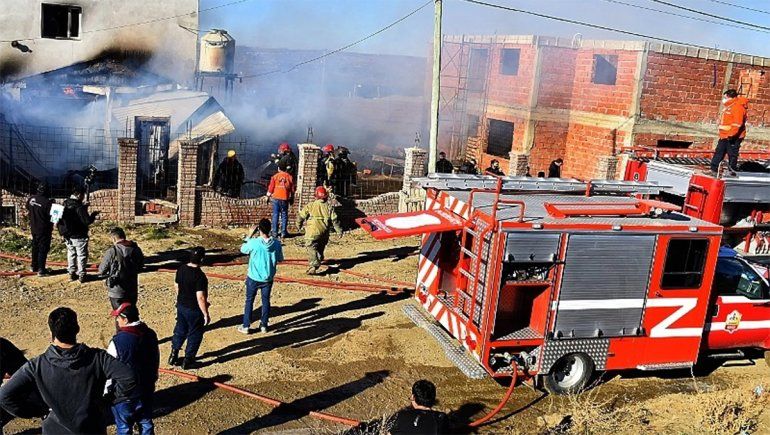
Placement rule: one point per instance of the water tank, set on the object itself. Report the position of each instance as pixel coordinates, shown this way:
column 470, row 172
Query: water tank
column 217, row 54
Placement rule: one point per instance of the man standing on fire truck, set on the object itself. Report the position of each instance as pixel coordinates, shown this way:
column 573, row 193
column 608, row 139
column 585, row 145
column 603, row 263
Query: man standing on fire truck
column 732, row 130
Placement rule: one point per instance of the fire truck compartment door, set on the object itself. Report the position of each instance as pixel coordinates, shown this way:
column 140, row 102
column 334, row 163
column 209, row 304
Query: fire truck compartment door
column 391, row 226
column 604, row 285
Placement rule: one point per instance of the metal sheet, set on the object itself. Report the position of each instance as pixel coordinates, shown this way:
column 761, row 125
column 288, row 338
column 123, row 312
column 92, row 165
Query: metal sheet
column 604, row 285
column 531, row 247
column 676, row 176
column 596, row 348
column 748, row 188
column 530, row 184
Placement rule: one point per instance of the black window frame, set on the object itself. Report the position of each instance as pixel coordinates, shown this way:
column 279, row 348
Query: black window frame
column 663, row 274
column 513, row 70
column 604, row 78
column 49, row 8
column 734, row 291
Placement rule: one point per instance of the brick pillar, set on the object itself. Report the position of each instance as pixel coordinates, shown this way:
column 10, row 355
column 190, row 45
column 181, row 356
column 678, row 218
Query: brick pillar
column 606, row 168
column 185, row 187
column 127, row 169
column 517, row 167
column 307, row 173
column 415, row 165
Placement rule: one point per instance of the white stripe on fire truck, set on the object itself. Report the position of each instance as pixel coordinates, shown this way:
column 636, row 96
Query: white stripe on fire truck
column 428, row 261
column 742, row 300
column 743, row 324
column 685, row 306
column 598, row 304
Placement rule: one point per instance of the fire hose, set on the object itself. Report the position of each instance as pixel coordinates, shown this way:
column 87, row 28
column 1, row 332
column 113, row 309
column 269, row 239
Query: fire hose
column 310, row 282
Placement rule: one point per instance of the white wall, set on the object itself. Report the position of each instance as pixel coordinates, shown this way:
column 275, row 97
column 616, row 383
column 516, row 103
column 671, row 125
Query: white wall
column 173, row 48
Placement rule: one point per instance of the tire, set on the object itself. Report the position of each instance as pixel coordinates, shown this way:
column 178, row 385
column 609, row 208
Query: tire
column 569, row 374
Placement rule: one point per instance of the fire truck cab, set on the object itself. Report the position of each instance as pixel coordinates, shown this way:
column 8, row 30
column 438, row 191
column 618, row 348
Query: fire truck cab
column 559, row 279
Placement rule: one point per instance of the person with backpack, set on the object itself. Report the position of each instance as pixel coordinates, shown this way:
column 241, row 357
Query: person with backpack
column 39, row 211
column 120, row 267
column 74, row 225
column 136, row 345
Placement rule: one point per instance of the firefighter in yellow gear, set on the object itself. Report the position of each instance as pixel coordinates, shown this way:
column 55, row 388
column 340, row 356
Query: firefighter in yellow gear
column 320, row 217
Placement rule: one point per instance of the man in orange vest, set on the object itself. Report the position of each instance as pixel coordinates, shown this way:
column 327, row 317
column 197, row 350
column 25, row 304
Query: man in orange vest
column 281, row 190
column 732, row 130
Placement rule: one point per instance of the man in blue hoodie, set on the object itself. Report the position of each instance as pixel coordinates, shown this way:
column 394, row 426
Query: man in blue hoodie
column 264, row 254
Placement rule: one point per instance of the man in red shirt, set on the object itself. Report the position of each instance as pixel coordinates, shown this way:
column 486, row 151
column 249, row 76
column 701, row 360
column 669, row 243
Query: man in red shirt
column 281, row 191
column 732, row 130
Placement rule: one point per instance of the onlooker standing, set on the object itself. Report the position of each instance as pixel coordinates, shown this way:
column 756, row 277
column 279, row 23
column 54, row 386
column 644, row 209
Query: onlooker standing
column 554, row 169
column 39, row 210
column 135, row 345
column 11, row 359
column 70, row 378
column 419, row 418
column 120, row 266
column 443, row 166
column 469, row 167
column 320, row 217
column 73, row 226
column 281, row 191
column 264, row 254
column 732, row 130
column 494, row 169
column 192, row 309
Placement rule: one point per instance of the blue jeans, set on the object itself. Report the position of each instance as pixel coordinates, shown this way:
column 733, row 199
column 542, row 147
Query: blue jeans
column 189, row 326
column 280, row 210
column 251, row 293
column 134, row 412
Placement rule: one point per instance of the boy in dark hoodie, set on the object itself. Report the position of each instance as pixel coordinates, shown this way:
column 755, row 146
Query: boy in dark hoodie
column 120, row 267
column 70, row 378
column 264, row 254
column 11, row 359
column 39, row 212
column 73, row 226
column 136, row 345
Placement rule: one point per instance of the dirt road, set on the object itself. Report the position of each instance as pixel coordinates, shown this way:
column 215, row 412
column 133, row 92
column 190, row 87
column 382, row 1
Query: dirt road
column 348, row 353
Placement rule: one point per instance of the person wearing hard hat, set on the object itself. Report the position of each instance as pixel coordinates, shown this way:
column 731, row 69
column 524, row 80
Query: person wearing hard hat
column 732, row 131
column 320, row 217
column 229, row 176
column 327, row 166
column 287, row 158
column 347, row 173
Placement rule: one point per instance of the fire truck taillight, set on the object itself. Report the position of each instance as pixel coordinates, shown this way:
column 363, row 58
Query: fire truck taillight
column 471, row 343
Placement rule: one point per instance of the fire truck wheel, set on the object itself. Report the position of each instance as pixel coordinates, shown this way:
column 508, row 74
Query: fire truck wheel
column 570, row 374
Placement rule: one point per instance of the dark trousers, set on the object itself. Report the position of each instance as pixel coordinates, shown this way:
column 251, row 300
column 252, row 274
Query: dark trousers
column 41, row 245
column 189, row 326
column 731, row 147
column 116, row 302
column 280, row 212
column 251, row 293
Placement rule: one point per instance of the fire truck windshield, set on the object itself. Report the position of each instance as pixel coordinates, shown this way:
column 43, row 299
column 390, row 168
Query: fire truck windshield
column 736, row 277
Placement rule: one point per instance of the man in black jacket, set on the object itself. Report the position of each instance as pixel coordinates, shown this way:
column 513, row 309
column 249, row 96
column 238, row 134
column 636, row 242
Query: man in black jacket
column 70, row 378
column 39, row 210
column 347, row 175
column 419, row 418
column 11, row 359
column 554, row 169
column 444, row 166
column 120, row 267
column 73, row 226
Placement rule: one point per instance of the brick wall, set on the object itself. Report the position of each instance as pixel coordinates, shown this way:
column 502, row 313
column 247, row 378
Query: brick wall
column 605, row 99
column 415, row 165
column 307, row 174
column 550, row 143
column 349, row 211
column 8, row 199
column 217, row 210
column 127, row 169
column 186, row 184
column 584, row 146
column 557, row 76
column 517, row 165
column 511, row 89
column 106, row 203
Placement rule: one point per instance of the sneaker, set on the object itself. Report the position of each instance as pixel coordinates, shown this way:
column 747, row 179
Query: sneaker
column 189, row 364
column 82, row 278
column 73, row 276
column 263, row 329
column 243, row 330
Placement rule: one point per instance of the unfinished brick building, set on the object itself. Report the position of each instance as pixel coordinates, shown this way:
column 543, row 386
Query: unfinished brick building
column 526, row 100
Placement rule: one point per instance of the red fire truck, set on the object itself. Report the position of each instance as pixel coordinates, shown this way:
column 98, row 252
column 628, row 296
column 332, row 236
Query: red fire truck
column 563, row 279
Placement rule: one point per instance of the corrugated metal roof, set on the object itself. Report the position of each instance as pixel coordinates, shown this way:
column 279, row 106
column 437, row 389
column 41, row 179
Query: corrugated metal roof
column 180, row 106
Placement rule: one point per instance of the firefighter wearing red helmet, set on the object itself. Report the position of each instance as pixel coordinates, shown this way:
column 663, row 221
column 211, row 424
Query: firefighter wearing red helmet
column 318, row 218
column 327, row 167
column 286, row 158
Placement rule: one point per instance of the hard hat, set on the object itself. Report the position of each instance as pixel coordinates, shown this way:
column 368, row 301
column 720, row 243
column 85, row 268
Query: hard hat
column 329, row 148
column 343, row 150
column 284, row 147
column 231, row 153
column 321, row 193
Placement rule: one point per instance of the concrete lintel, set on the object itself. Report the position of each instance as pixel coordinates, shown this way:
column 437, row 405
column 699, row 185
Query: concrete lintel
column 560, row 115
column 649, row 126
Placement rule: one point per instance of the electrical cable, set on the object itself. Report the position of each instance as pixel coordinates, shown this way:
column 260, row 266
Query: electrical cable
column 740, row 6
column 706, row 14
column 352, row 44
column 592, row 25
column 705, row 20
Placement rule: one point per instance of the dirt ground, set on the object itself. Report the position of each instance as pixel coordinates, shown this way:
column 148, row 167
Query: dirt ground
column 349, row 353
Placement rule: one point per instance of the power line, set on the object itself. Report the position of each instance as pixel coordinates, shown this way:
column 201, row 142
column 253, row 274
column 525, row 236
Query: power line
column 740, row 6
column 595, row 26
column 706, row 14
column 705, row 20
column 369, row 36
column 141, row 23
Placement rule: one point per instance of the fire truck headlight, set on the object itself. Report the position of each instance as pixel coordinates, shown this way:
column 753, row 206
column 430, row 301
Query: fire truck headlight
column 693, row 229
column 537, row 226
column 616, row 228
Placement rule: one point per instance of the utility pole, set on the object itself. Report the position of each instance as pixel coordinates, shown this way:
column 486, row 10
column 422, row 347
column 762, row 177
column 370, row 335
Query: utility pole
column 434, row 100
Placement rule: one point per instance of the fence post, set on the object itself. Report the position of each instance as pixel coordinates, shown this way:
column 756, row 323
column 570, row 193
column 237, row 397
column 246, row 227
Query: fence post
column 518, row 164
column 307, row 173
column 606, row 168
column 415, row 165
column 186, row 193
column 127, row 168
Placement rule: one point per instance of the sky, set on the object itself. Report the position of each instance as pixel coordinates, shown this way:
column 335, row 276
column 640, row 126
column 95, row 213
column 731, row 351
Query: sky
column 330, row 24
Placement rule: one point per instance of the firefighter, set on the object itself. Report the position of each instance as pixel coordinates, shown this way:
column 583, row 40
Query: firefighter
column 229, row 176
column 494, row 169
column 469, row 167
column 554, row 169
column 327, row 164
column 288, row 159
column 347, row 173
column 732, row 130
column 444, row 166
column 320, row 216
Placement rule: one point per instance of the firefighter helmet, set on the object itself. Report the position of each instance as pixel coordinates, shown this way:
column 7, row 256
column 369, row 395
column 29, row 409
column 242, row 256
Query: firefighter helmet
column 231, row 153
column 329, row 148
column 321, row 193
column 282, row 148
